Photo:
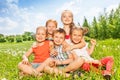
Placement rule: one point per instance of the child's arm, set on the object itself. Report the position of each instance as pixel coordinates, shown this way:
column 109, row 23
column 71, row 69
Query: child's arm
column 51, row 45
column 53, row 52
column 91, row 49
column 79, row 45
column 26, row 55
column 75, row 46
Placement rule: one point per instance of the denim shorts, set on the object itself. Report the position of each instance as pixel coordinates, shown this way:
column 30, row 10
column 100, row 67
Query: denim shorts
column 35, row 65
column 61, row 66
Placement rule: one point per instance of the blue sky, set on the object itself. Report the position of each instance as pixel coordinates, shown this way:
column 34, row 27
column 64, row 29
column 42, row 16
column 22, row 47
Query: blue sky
column 17, row 16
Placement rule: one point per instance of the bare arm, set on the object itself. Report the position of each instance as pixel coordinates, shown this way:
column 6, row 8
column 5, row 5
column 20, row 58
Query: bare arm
column 69, row 47
column 53, row 52
column 79, row 45
column 91, row 49
column 51, row 46
column 26, row 55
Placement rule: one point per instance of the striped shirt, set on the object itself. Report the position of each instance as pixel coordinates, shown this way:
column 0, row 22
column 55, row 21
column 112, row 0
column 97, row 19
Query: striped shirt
column 61, row 55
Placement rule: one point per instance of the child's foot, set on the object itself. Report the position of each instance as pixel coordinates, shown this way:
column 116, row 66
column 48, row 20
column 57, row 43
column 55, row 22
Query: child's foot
column 107, row 77
column 36, row 73
column 22, row 74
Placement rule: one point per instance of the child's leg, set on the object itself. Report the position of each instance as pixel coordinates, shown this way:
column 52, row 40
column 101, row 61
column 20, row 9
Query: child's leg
column 55, row 71
column 108, row 62
column 27, row 69
column 42, row 65
column 76, row 64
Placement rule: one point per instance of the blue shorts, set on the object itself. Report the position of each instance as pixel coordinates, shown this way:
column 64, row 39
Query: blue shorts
column 35, row 65
column 61, row 66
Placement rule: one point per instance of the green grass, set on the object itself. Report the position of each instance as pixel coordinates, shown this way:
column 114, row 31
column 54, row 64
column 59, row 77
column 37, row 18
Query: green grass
column 10, row 56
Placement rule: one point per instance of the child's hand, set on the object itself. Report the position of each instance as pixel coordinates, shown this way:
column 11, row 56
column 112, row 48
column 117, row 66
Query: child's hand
column 69, row 48
column 52, row 64
column 25, row 62
column 53, row 52
column 93, row 41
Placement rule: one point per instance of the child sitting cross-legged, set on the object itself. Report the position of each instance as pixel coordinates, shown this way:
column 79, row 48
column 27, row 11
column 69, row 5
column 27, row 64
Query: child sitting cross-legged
column 62, row 60
column 40, row 49
column 76, row 35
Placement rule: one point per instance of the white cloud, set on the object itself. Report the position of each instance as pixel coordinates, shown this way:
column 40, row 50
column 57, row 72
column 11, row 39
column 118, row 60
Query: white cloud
column 7, row 24
column 74, row 6
column 109, row 8
column 20, row 18
column 94, row 11
column 34, row 20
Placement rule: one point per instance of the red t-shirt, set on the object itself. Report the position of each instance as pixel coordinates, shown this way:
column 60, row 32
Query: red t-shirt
column 41, row 53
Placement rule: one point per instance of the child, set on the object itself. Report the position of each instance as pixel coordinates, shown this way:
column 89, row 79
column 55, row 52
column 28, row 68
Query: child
column 51, row 25
column 67, row 20
column 64, row 59
column 41, row 53
column 76, row 36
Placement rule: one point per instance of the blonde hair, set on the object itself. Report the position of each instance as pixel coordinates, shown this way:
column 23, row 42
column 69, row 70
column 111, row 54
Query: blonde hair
column 41, row 27
column 68, row 11
column 83, row 30
column 51, row 20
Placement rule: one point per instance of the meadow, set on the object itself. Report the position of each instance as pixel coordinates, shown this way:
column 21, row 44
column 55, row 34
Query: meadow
column 11, row 55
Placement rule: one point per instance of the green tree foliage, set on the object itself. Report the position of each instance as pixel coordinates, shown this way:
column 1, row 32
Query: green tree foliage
column 10, row 38
column 116, row 19
column 19, row 38
column 94, row 30
column 2, row 38
column 28, row 36
column 85, row 24
column 107, row 25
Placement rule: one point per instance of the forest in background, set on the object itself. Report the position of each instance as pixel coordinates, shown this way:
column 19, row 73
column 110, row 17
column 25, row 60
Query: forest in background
column 106, row 26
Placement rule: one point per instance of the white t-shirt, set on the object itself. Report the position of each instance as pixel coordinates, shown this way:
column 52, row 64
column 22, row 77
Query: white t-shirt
column 83, row 53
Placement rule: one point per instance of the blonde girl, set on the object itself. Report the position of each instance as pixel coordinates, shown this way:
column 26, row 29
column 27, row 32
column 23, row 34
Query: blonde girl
column 68, row 24
column 51, row 25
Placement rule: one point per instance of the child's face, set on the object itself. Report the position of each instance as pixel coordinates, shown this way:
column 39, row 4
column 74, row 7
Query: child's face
column 67, row 18
column 76, row 36
column 58, row 38
column 51, row 27
column 40, row 35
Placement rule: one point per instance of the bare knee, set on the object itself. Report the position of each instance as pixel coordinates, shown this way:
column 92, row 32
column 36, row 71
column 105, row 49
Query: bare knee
column 20, row 65
column 80, row 60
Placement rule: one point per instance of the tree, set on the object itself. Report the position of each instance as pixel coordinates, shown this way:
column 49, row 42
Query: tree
column 10, row 38
column 116, row 33
column 2, row 38
column 95, row 30
column 28, row 36
column 19, row 38
column 85, row 24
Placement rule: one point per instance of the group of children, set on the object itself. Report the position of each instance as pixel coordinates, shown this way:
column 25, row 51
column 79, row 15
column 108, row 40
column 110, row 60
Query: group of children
column 61, row 51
